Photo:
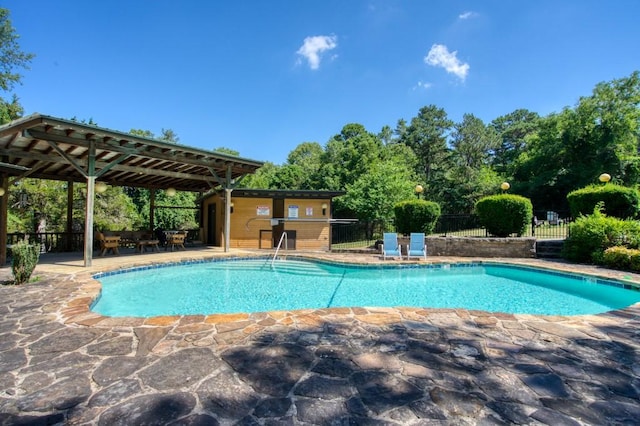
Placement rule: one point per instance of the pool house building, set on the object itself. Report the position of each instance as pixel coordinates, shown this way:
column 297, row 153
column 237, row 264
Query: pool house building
column 259, row 218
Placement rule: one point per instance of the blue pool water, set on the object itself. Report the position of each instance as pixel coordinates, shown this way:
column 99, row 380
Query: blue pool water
column 253, row 285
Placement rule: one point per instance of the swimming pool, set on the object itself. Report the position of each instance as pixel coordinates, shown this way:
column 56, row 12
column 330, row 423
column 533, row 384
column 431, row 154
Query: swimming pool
column 255, row 285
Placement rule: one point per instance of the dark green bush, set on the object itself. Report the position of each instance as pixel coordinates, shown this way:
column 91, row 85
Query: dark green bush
column 416, row 216
column 619, row 201
column 505, row 214
column 25, row 259
column 590, row 236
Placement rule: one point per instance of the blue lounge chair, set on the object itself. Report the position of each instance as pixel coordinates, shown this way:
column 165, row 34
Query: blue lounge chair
column 390, row 246
column 417, row 247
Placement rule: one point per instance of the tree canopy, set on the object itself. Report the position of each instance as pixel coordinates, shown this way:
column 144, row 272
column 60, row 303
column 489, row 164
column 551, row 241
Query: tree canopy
column 543, row 157
column 12, row 59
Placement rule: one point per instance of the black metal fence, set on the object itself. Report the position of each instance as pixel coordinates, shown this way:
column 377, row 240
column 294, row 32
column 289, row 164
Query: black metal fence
column 354, row 235
column 545, row 226
column 51, row 241
column 57, row 242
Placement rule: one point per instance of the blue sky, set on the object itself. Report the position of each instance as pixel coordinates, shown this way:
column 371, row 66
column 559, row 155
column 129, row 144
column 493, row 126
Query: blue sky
column 261, row 77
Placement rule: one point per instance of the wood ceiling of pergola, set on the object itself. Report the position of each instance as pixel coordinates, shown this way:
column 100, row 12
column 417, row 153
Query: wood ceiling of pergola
column 45, row 147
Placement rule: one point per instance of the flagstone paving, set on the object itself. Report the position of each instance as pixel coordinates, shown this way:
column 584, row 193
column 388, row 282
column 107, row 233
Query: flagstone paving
column 62, row 364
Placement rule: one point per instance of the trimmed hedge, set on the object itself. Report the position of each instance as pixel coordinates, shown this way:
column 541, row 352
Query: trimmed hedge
column 619, row 201
column 505, row 214
column 416, row 216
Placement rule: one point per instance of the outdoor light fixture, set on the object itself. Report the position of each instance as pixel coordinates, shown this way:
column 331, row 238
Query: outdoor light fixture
column 1, row 192
column 604, row 178
column 419, row 190
column 231, row 207
column 324, row 209
column 505, row 186
column 170, row 192
column 101, row 187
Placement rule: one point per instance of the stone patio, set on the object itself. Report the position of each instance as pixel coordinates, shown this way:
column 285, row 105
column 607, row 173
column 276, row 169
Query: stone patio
column 62, row 364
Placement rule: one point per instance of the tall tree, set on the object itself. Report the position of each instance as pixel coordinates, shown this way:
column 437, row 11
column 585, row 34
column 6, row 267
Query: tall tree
column 514, row 130
column 303, row 164
column 401, row 129
column 10, row 111
column 470, row 176
column 473, row 143
column 388, row 180
column 11, row 57
column 386, row 135
column 539, row 172
column 142, row 133
column 572, row 148
column 169, row 135
column 427, row 136
column 228, row 151
column 263, row 178
column 347, row 156
column 307, row 155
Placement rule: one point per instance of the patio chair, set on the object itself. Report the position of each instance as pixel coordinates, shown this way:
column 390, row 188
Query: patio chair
column 390, row 246
column 416, row 246
column 175, row 240
column 145, row 241
column 108, row 243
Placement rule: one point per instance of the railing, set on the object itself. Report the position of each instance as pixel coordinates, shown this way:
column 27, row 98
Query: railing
column 461, row 225
column 50, row 241
column 353, row 236
column 283, row 237
column 57, row 242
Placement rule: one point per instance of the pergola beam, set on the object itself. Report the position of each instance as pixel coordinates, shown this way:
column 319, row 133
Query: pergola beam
column 66, row 150
column 112, row 147
column 100, row 165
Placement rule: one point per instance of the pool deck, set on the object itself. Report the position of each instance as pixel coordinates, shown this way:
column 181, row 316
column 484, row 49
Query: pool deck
column 62, row 364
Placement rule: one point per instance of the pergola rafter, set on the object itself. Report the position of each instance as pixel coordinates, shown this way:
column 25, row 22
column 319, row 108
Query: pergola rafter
column 46, row 147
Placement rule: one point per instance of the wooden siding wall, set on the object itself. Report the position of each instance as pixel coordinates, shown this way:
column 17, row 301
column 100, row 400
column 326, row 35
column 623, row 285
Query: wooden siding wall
column 309, row 235
column 246, row 224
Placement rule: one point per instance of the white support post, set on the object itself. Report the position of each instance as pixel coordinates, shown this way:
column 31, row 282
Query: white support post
column 88, row 212
column 88, row 221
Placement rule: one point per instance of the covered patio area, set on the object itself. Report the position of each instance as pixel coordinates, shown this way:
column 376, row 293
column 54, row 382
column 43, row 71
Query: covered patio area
column 45, row 147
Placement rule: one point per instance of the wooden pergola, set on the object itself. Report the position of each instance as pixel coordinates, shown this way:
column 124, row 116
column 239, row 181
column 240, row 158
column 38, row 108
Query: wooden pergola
column 45, row 147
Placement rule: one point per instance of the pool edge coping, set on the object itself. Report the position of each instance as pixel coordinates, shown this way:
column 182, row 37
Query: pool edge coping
column 77, row 310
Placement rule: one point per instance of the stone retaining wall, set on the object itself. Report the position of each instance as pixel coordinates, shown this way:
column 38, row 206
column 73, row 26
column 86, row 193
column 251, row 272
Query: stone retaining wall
column 480, row 247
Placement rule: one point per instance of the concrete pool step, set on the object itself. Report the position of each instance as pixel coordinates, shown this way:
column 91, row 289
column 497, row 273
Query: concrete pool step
column 549, row 249
column 279, row 266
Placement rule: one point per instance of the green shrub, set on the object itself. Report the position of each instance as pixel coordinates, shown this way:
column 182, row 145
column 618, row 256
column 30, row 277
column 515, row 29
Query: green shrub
column 416, row 216
column 619, row 201
column 621, row 258
column 505, row 214
column 25, row 258
column 590, row 236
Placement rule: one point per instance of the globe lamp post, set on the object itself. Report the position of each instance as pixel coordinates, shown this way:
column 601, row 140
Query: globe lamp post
column 419, row 190
column 604, row 178
column 505, row 186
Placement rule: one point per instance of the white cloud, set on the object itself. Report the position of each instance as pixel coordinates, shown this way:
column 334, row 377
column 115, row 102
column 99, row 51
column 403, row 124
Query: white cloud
column 439, row 56
column 313, row 47
column 422, row 85
column 467, row 15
